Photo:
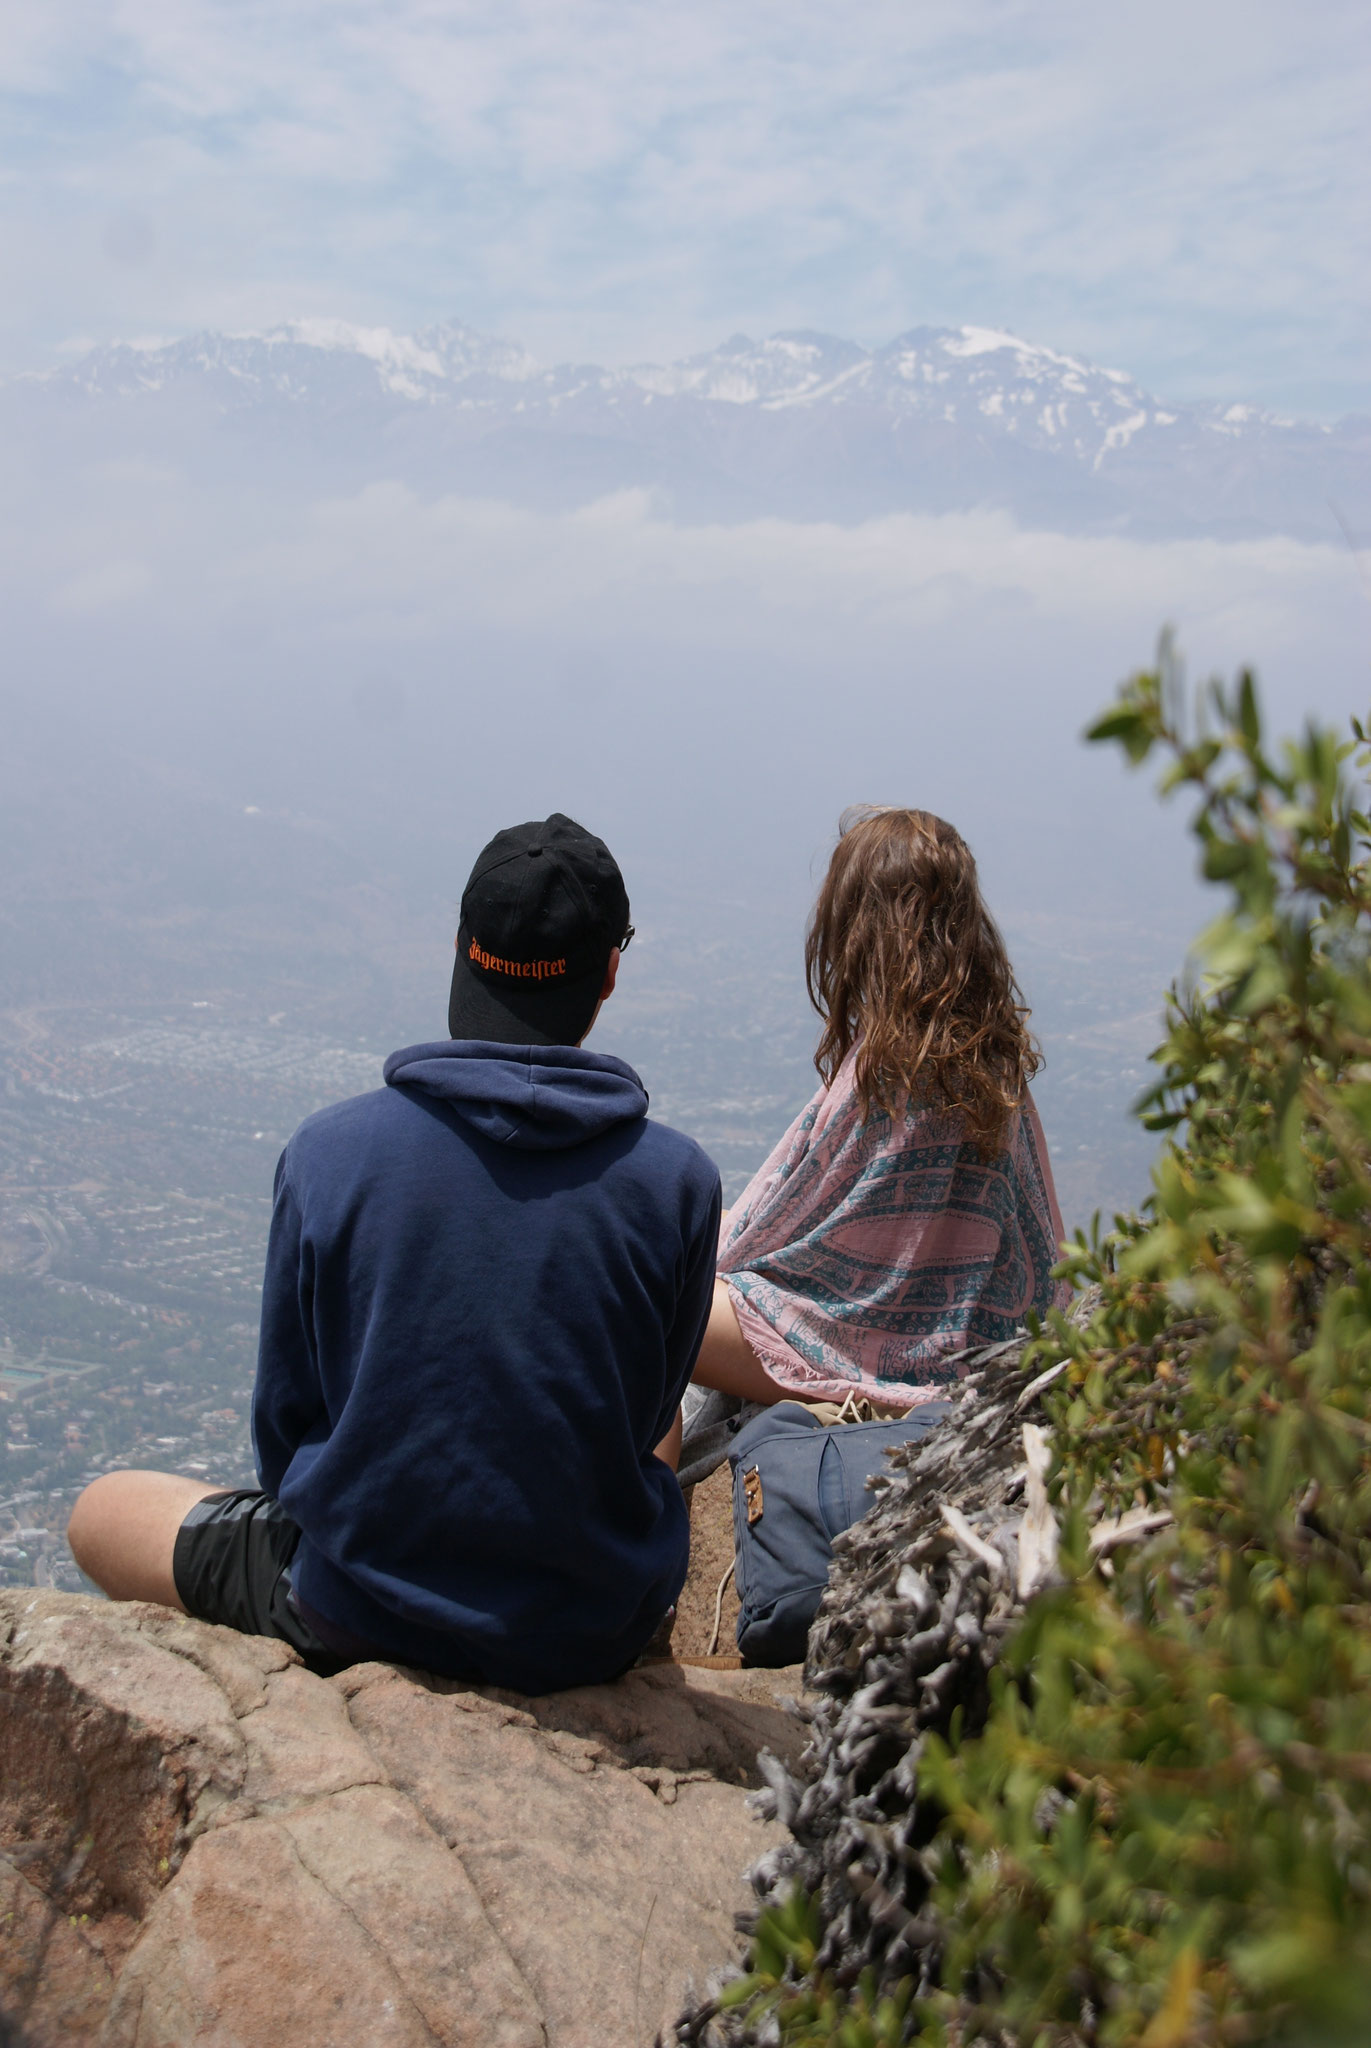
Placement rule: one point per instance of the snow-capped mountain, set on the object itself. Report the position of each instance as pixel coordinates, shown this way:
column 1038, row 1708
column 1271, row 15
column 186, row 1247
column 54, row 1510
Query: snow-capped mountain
column 303, row 361
column 967, row 375
column 804, row 424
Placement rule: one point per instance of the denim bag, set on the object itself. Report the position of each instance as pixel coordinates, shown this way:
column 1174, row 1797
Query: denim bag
column 796, row 1485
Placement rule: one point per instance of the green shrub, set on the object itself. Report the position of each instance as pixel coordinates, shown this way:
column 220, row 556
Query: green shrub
column 1162, row 1836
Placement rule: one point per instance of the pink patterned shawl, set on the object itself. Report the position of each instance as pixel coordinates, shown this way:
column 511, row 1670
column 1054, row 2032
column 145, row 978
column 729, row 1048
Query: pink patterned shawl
column 862, row 1256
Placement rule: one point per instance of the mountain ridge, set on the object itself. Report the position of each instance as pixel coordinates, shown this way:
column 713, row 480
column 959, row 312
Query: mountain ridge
column 938, row 418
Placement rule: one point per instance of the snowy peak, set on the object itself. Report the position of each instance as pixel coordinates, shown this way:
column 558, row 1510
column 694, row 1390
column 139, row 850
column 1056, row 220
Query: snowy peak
column 788, row 369
column 304, row 359
column 974, row 376
column 415, row 366
column 1035, row 395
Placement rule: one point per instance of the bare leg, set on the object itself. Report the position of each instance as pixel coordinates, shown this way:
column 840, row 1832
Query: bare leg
column 728, row 1363
column 123, row 1530
column 669, row 1449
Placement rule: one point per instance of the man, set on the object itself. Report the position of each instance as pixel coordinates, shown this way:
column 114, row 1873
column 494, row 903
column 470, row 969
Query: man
column 486, row 1285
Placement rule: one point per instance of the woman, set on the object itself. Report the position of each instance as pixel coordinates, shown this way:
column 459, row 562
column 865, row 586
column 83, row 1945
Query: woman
column 908, row 1214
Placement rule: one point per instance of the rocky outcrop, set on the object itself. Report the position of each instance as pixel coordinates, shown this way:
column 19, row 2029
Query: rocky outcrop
column 200, row 1841
column 924, row 1591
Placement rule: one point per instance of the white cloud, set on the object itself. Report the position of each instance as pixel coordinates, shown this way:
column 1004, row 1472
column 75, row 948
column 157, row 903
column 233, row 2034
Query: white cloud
column 461, row 557
column 1181, row 188
column 383, row 570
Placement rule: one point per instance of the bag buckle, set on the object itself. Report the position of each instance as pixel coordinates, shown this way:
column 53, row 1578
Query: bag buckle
column 752, row 1494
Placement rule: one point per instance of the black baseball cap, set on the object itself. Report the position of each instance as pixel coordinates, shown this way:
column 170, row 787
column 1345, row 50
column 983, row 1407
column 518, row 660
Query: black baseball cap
column 543, row 909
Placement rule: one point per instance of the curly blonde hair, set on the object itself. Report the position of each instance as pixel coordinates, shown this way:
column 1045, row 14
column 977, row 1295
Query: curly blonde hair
column 905, row 962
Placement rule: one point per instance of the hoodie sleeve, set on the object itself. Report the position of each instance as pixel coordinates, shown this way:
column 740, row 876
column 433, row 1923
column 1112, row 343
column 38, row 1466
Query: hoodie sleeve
column 288, row 1397
column 693, row 1304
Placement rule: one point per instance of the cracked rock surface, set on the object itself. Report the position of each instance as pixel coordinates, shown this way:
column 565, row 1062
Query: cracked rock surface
column 201, row 1842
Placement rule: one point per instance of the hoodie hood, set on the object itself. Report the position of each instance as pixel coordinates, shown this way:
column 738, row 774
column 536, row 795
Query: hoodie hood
column 537, row 1098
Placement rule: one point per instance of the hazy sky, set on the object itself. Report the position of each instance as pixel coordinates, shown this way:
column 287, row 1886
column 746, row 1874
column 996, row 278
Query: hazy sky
column 1179, row 189
column 200, row 638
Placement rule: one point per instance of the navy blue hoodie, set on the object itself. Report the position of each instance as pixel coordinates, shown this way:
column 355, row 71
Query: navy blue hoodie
column 486, row 1286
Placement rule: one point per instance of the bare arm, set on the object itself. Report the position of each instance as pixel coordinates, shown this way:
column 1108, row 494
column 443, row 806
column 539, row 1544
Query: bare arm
column 727, row 1361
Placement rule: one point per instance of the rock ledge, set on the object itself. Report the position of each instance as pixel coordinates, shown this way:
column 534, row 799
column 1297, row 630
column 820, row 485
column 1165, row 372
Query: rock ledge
column 200, row 1841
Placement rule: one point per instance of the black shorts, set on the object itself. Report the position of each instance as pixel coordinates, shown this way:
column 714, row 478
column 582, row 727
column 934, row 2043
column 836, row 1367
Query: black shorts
column 232, row 1563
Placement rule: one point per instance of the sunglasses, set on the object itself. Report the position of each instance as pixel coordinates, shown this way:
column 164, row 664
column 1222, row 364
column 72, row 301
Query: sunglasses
column 627, row 940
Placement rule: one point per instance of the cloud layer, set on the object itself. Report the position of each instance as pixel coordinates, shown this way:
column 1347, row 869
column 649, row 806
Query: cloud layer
column 725, row 690
column 1183, row 189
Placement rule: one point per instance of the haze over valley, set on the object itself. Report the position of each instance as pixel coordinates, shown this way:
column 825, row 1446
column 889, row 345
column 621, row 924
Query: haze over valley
column 297, row 619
